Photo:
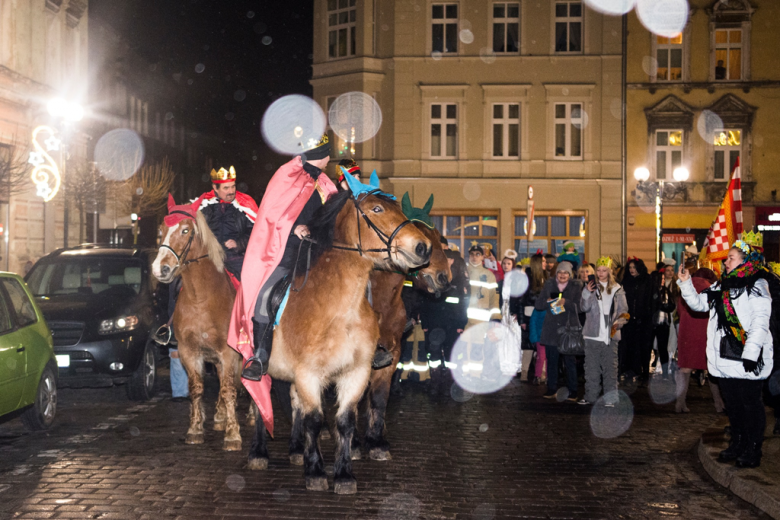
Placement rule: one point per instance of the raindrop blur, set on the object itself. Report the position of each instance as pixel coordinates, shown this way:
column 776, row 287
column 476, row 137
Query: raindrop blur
column 200, row 68
column 483, row 427
column 355, row 117
column 206, row 47
column 168, row 116
column 437, row 337
column 119, row 154
column 229, row 116
column 266, row 40
column 189, row 81
column 139, row 191
column 235, row 482
column 608, row 422
column 707, row 123
column 613, row 7
column 459, row 394
column 565, row 91
column 663, row 17
column 385, row 27
column 11, row 363
column 205, row 335
column 254, row 157
column 687, row 230
column 616, row 108
column 250, row 14
column 134, row 431
column 476, row 359
column 436, row 55
column 484, row 512
column 153, row 67
column 584, row 121
column 662, row 390
column 466, row 36
column 517, row 282
column 472, row 191
column 239, row 95
column 284, row 115
column 650, row 66
column 281, row 495
column 487, row 55
column 562, row 394
column 205, row 177
column 399, row 505
column 269, row 167
column 260, row 27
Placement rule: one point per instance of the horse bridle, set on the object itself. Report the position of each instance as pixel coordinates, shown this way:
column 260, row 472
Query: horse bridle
column 387, row 240
column 181, row 260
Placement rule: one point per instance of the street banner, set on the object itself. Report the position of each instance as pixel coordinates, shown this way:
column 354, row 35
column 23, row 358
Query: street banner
column 727, row 227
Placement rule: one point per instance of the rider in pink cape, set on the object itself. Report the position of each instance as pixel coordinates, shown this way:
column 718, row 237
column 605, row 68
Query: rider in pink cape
column 290, row 190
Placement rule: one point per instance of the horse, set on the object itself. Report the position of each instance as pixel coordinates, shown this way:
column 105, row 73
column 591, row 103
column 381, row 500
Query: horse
column 200, row 321
column 328, row 332
column 387, row 287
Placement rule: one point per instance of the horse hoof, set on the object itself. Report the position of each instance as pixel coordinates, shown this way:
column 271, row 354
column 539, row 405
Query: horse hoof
column 257, row 464
column 356, row 454
column 317, row 483
column 231, row 445
column 347, row 486
column 219, row 426
column 194, row 438
column 325, row 435
column 296, row 459
column 379, row 454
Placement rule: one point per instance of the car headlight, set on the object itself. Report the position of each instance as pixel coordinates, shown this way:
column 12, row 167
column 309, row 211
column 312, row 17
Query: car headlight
column 119, row 324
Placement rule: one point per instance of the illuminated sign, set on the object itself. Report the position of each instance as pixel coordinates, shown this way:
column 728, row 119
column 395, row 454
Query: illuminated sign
column 767, row 215
column 45, row 174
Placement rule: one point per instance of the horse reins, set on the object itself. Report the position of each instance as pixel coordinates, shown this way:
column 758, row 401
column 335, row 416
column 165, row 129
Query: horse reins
column 181, row 260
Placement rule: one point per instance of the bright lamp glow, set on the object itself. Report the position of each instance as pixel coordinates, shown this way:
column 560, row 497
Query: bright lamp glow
column 58, row 107
column 74, row 112
column 680, row 174
column 641, row 174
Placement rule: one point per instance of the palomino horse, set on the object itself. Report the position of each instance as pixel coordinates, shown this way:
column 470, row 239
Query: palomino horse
column 201, row 318
column 387, row 287
column 328, row 332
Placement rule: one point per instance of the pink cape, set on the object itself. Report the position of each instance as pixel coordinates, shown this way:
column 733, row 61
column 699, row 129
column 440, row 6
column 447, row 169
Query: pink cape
column 286, row 195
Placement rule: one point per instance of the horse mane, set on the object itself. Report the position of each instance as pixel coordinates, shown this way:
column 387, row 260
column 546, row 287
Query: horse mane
column 209, row 241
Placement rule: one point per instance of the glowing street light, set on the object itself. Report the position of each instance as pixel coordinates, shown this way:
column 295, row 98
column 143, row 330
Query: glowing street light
column 657, row 190
column 641, row 174
column 680, row 174
column 70, row 111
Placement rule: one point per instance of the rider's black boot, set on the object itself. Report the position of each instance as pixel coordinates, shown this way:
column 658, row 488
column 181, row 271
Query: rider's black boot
column 257, row 366
column 382, row 357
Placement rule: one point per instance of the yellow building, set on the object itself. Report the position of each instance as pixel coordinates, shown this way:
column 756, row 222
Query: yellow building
column 700, row 100
column 480, row 100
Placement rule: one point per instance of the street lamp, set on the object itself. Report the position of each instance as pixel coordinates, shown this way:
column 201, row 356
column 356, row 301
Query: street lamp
column 70, row 112
column 658, row 191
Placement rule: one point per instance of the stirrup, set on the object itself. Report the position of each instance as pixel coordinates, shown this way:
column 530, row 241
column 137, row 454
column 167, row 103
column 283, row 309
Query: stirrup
column 253, row 369
column 163, row 335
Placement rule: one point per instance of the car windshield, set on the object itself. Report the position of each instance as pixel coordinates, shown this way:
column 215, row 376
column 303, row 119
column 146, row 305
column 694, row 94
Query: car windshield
column 71, row 275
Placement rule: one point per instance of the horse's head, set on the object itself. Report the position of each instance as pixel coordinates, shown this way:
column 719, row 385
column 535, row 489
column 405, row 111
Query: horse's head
column 436, row 276
column 186, row 237
column 375, row 225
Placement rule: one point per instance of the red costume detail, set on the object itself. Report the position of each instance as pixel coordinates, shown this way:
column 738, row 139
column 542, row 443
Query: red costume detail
column 243, row 202
column 286, row 195
column 178, row 213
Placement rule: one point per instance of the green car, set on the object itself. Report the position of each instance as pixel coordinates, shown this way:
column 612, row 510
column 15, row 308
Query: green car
column 28, row 366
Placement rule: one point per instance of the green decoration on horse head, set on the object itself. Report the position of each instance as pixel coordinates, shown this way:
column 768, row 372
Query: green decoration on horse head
column 417, row 214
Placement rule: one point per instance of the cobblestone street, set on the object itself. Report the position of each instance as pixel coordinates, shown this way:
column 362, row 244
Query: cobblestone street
column 507, row 455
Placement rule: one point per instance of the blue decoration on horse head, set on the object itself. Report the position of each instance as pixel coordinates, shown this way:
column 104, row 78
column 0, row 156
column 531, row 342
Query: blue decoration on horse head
column 358, row 188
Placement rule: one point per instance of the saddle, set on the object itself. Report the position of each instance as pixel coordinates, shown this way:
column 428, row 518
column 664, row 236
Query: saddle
column 277, row 300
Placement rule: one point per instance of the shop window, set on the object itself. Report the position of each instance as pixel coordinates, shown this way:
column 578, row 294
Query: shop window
column 444, row 130
column 728, row 54
column 444, row 28
column 551, row 232
column 506, row 130
column 668, row 153
column 728, row 147
column 342, row 15
column 506, row 27
column 568, row 27
column 465, row 229
column 568, row 131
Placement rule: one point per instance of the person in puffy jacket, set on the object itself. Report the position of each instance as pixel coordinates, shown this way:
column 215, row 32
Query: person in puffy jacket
column 739, row 345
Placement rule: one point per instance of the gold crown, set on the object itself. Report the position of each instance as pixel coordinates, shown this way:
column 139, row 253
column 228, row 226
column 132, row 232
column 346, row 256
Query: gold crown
column 604, row 261
column 774, row 267
column 311, row 144
column 525, row 261
column 753, row 239
column 223, row 175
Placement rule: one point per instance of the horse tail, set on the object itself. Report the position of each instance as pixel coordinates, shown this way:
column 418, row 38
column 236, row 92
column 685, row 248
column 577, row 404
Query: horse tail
column 282, row 391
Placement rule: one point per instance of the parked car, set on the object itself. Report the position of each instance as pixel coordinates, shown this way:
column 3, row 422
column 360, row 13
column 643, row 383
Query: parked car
column 102, row 308
column 28, row 368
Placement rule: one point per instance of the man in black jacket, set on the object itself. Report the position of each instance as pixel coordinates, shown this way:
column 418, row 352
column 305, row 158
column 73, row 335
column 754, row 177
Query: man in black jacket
column 230, row 215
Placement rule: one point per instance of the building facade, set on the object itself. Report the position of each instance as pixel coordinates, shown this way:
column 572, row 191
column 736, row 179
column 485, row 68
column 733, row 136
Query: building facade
column 43, row 54
column 480, row 100
column 702, row 100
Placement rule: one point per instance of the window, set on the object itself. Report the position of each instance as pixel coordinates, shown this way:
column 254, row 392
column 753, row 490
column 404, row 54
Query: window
column 568, row 130
column 669, row 52
column 341, row 28
column 728, row 54
column 728, row 145
column 5, row 318
column 568, row 27
column 506, row 27
column 23, row 307
column 86, row 275
column 506, row 130
column 551, row 232
column 668, row 153
column 466, row 228
column 444, row 130
column 339, row 148
column 444, row 28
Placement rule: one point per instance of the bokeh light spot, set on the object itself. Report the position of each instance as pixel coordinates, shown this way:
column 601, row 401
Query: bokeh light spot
column 466, row 36
column 662, row 390
column 235, row 482
column 267, row 40
column 608, row 422
column 665, row 18
column 707, row 123
column 284, row 116
column 475, row 359
column 200, row 68
column 239, row 95
column 119, row 153
column 613, row 7
column 355, row 117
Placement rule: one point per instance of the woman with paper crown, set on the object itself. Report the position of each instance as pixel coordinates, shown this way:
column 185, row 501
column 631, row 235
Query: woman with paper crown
column 739, row 345
column 604, row 303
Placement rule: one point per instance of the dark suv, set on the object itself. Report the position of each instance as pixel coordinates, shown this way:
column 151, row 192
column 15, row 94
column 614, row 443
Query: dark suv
column 102, row 308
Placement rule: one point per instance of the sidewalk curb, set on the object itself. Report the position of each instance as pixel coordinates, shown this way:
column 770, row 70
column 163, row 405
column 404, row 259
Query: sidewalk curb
column 750, row 485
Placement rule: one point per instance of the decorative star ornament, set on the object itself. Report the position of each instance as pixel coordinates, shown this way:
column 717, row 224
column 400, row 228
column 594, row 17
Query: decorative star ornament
column 52, row 143
column 35, row 159
column 43, row 190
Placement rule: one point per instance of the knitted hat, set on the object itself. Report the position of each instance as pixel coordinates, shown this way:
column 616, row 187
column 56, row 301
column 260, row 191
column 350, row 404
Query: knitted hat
column 564, row 267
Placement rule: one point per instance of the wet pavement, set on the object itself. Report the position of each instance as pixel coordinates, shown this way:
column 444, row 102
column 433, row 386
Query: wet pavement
column 510, row 454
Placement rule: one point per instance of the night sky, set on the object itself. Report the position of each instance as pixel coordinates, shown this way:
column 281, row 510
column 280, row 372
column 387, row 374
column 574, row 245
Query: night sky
column 250, row 52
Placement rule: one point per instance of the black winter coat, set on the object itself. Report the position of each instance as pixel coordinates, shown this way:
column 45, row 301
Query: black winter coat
column 228, row 223
column 639, row 296
column 572, row 293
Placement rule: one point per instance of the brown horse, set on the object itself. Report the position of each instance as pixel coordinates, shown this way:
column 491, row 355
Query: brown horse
column 201, row 319
column 328, row 332
column 387, row 287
